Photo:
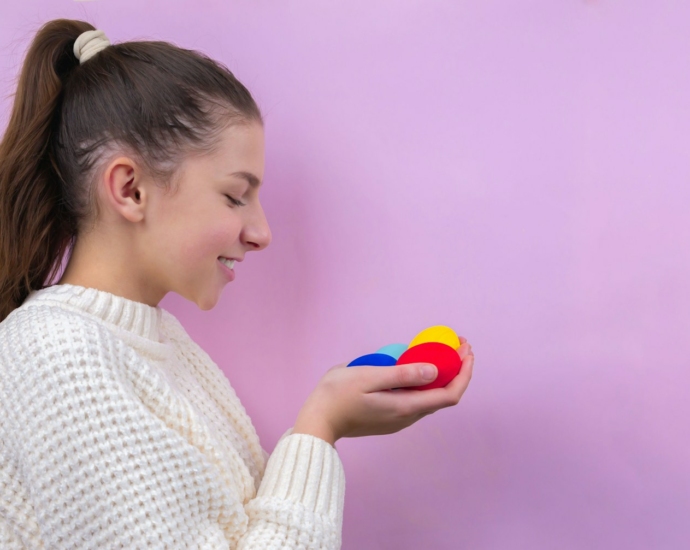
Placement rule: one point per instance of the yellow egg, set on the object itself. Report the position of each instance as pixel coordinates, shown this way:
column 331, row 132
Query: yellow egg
column 437, row 333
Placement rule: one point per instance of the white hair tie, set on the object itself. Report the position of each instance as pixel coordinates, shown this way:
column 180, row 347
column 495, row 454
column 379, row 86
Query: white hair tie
column 89, row 43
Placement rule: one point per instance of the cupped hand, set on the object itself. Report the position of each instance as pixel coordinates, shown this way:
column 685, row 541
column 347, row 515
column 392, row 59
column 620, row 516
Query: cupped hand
column 360, row 401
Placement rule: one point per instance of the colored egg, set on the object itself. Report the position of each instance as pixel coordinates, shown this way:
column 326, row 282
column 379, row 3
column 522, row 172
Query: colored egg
column 446, row 359
column 394, row 350
column 437, row 333
column 373, row 360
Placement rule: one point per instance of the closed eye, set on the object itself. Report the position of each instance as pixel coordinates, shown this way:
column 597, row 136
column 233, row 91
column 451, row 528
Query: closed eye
column 235, row 201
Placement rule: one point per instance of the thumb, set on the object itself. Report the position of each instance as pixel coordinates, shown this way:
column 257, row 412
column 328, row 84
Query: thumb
column 401, row 376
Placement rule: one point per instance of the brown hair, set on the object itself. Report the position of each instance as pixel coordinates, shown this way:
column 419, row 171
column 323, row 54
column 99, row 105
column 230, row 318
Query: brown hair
column 155, row 100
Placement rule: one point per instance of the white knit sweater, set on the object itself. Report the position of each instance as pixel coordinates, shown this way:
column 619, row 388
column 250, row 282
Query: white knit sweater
column 118, row 431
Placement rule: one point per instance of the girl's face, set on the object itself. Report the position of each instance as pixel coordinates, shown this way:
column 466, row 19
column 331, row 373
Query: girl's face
column 214, row 213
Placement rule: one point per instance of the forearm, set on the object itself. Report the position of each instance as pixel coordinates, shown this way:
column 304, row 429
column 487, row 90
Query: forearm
column 311, row 424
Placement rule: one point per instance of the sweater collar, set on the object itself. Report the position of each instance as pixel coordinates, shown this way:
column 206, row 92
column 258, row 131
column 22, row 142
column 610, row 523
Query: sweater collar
column 136, row 317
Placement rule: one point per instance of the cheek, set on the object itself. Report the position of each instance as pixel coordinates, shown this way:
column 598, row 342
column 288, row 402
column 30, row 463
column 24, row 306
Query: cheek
column 192, row 235
column 205, row 244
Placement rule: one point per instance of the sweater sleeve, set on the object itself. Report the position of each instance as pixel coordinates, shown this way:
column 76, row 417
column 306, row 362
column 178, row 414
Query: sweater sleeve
column 299, row 504
column 300, row 500
column 95, row 467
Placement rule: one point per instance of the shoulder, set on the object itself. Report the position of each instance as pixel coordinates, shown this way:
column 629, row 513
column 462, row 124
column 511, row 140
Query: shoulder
column 56, row 363
column 44, row 341
column 38, row 325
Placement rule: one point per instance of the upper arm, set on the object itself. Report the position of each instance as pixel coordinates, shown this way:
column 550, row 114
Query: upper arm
column 98, row 465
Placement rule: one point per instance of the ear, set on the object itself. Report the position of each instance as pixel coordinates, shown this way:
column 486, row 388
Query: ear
column 123, row 189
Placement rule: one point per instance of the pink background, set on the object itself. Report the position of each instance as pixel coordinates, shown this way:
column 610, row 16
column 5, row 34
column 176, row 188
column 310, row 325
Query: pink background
column 517, row 170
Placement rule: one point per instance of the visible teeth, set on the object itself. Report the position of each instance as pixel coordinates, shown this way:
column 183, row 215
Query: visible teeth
column 229, row 263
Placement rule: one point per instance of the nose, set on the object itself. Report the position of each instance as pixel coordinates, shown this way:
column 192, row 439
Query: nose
column 256, row 234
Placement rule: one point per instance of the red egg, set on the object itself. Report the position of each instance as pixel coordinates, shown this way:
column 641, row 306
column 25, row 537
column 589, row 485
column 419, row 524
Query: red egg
column 445, row 358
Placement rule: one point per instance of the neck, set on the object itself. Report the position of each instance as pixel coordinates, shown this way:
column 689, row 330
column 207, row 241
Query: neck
column 96, row 263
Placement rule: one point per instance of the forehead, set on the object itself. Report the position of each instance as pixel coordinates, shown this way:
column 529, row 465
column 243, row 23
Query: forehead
column 238, row 149
column 241, row 143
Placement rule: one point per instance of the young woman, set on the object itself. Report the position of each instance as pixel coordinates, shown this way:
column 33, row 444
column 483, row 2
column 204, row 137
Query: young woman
column 144, row 162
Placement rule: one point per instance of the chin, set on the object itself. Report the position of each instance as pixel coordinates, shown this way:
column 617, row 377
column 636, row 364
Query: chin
column 206, row 303
column 203, row 300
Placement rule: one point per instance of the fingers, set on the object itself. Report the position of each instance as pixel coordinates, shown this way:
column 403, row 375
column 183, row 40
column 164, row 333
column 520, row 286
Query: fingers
column 450, row 395
column 457, row 386
column 399, row 376
column 413, row 402
column 411, row 374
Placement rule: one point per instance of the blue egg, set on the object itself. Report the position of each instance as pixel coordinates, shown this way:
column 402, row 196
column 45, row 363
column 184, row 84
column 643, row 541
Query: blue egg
column 374, row 360
column 394, row 350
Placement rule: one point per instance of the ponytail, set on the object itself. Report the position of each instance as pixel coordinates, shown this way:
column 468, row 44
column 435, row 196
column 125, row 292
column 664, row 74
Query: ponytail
column 35, row 227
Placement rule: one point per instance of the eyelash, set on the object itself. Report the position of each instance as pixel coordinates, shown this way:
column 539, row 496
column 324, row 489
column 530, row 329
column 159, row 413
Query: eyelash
column 235, row 201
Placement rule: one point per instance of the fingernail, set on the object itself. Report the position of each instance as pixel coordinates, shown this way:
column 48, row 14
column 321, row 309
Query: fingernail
column 428, row 372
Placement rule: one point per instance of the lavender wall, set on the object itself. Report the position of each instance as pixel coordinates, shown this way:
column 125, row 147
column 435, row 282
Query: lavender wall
column 517, row 170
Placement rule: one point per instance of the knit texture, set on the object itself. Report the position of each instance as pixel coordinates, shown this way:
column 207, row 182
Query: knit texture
column 118, row 431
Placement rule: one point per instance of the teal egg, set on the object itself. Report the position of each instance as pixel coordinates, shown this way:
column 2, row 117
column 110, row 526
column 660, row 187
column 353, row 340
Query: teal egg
column 394, row 350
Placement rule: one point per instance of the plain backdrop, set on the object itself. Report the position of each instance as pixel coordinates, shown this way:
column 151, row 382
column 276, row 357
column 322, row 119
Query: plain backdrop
column 517, row 170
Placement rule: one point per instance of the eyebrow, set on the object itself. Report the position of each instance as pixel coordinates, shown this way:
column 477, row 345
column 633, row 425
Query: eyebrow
column 251, row 178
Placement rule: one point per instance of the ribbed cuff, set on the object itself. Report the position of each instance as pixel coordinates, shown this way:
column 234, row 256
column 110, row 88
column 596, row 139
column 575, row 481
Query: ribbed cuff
column 306, row 469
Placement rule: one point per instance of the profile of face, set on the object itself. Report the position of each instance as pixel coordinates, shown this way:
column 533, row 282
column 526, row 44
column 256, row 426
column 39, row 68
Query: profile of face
column 150, row 240
column 215, row 213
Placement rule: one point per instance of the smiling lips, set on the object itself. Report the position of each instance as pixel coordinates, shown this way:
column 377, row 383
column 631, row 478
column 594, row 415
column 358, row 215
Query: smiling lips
column 226, row 266
column 227, row 262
